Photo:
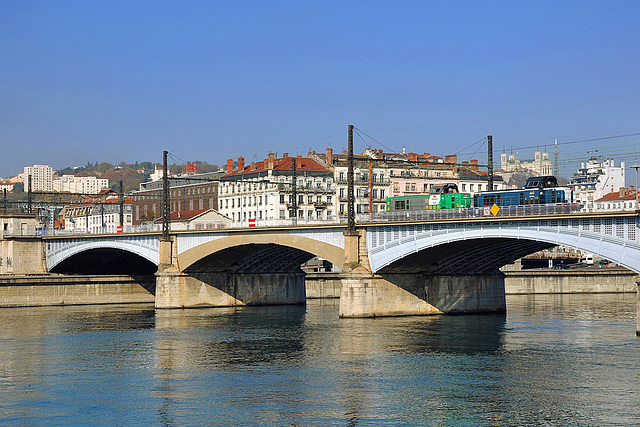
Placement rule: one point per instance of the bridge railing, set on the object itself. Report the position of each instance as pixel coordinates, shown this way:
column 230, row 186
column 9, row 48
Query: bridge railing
column 442, row 214
column 437, row 215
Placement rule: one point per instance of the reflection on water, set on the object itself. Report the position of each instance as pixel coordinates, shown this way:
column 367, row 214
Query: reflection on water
column 552, row 360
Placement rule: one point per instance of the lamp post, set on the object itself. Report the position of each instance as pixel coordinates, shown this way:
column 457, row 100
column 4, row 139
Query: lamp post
column 636, row 167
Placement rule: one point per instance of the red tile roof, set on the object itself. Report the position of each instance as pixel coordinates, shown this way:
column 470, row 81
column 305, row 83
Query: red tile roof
column 303, row 164
column 184, row 215
column 615, row 197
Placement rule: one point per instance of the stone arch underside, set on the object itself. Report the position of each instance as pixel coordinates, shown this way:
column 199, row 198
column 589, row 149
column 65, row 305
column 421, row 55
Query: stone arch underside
column 105, row 261
column 257, row 254
column 465, row 257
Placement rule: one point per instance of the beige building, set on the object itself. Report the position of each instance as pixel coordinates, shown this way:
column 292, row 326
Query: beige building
column 41, row 177
column 80, row 184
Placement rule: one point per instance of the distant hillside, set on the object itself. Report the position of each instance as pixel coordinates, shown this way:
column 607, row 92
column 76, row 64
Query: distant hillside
column 131, row 175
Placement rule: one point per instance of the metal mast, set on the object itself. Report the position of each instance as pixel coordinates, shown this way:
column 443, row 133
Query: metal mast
column 294, row 191
column 166, row 208
column 121, row 207
column 490, row 162
column 351, row 216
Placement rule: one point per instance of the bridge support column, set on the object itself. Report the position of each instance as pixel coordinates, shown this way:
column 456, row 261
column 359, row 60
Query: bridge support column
column 222, row 289
column 638, row 303
column 177, row 289
column 416, row 294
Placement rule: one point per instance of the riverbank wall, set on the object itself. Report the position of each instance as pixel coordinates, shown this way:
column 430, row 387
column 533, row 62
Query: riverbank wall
column 578, row 281
column 518, row 282
column 33, row 290
column 50, row 289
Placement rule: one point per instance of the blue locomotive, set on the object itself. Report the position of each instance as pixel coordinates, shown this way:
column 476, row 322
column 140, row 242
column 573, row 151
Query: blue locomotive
column 539, row 190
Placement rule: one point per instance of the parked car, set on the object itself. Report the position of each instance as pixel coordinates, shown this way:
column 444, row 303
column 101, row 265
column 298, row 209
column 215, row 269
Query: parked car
column 561, row 267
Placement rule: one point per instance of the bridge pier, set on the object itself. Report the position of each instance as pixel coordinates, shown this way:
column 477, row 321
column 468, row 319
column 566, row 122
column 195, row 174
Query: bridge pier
column 419, row 294
column 179, row 289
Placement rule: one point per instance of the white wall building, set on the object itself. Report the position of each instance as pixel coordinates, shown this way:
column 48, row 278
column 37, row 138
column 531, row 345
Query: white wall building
column 97, row 218
column 595, row 179
column 622, row 200
column 262, row 192
column 80, row 184
column 41, row 177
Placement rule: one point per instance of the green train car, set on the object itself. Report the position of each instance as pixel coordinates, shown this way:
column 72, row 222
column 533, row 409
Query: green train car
column 443, row 197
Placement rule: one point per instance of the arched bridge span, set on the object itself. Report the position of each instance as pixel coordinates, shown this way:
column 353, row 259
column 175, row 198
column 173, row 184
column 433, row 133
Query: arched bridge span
column 466, row 247
column 258, row 252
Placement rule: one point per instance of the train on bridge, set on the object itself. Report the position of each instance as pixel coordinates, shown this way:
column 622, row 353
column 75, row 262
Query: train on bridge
column 540, row 190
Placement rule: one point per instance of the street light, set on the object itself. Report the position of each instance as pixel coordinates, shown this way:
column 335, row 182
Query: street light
column 636, row 167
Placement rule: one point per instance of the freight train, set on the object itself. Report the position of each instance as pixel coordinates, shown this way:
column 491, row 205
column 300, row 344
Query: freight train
column 539, row 190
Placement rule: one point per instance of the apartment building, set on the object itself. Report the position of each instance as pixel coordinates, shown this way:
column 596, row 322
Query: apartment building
column 79, row 184
column 624, row 199
column 97, row 216
column 186, row 193
column 41, row 177
column 594, row 179
column 264, row 192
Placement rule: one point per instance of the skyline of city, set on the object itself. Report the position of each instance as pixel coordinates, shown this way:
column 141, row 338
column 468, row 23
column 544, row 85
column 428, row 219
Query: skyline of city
column 118, row 82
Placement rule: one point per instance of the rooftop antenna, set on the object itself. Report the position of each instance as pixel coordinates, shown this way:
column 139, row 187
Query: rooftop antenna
column 556, row 169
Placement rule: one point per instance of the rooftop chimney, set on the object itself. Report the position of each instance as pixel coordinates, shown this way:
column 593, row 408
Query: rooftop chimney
column 474, row 165
column 271, row 161
column 240, row 164
column 229, row 166
column 451, row 159
column 329, row 156
column 284, row 155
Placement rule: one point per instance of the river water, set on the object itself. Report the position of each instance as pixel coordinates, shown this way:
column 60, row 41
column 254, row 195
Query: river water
column 552, row 360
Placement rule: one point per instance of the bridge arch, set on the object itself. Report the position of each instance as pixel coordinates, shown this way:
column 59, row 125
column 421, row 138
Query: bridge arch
column 258, row 252
column 120, row 250
column 482, row 247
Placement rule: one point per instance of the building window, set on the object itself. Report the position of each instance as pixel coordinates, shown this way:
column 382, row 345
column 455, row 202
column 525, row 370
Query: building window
column 329, row 199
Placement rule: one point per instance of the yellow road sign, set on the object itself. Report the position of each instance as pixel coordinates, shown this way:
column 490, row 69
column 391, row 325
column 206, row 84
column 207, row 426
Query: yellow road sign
column 495, row 209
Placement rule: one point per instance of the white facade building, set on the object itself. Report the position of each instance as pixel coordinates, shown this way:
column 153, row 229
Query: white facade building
column 622, row 200
column 262, row 192
column 41, row 177
column 594, row 180
column 80, row 184
column 98, row 217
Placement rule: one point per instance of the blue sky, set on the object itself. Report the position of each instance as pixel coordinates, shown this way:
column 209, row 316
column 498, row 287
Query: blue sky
column 86, row 81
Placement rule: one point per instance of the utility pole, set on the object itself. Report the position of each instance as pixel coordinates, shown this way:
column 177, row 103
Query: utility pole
column 121, row 203
column 29, row 195
column 166, row 208
column 351, row 216
column 556, row 168
column 370, row 190
column 636, row 167
column 294, row 191
column 102, row 224
column 490, row 161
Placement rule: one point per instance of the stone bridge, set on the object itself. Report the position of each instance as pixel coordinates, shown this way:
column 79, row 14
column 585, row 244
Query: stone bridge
column 399, row 268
